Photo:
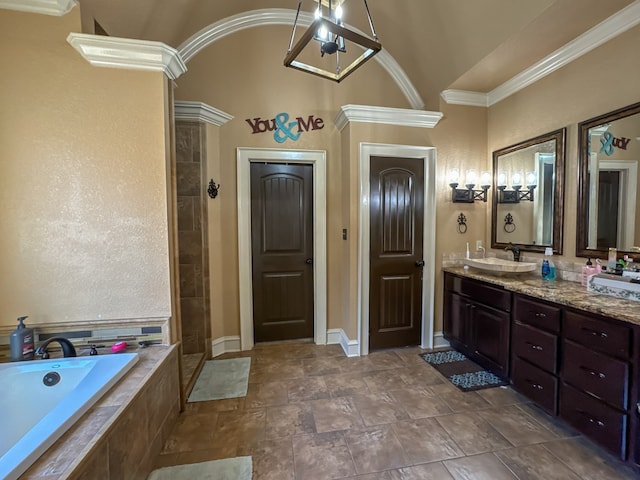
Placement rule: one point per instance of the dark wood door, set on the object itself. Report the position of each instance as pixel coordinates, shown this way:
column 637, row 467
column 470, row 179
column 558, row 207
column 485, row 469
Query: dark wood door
column 282, row 250
column 396, row 222
column 608, row 205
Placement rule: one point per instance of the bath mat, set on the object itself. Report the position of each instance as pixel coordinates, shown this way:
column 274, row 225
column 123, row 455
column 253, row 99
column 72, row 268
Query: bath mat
column 238, row 468
column 222, row 379
column 461, row 371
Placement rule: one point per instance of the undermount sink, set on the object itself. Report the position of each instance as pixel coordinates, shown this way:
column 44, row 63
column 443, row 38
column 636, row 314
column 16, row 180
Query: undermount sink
column 500, row 266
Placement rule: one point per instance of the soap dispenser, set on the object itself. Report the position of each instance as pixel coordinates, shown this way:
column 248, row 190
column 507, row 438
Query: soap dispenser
column 21, row 342
column 548, row 268
column 587, row 271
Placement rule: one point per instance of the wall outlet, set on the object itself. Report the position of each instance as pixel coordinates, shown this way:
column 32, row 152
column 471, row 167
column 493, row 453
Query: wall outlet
column 478, row 245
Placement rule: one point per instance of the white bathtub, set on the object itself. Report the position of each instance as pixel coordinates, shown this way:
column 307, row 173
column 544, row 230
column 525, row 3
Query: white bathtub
column 34, row 415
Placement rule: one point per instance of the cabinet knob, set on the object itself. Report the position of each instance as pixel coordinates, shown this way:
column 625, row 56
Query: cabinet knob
column 595, row 333
column 535, row 347
column 540, row 314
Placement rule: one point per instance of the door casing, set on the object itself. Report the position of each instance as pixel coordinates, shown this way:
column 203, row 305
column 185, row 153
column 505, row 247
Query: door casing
column 317, row 158
column 428, row 156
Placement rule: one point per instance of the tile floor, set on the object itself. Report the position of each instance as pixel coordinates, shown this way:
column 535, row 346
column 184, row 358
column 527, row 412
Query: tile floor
column 312, row 414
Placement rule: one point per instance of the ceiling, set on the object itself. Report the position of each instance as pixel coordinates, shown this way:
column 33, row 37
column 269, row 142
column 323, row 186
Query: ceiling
column 473, row 45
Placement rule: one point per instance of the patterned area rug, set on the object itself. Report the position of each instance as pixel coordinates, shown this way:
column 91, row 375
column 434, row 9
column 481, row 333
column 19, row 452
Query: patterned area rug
column 222, row 379
column 461, row 371
column 238, row 468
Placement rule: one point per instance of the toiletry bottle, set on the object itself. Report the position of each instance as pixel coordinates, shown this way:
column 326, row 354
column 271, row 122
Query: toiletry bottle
column 612, row 260
column 21, row 342
column 548, row 268
column 587, row 271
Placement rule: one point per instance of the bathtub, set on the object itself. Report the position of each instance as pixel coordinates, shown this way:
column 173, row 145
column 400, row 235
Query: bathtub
column 41, row 399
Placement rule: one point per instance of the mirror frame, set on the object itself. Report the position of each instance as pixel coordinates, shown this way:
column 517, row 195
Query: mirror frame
column 582, row 227
column 558, row 193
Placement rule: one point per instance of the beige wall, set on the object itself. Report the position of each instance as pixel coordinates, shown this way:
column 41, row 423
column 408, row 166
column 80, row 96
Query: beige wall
column 83, row 184
column 243, row 75
column 604, row 80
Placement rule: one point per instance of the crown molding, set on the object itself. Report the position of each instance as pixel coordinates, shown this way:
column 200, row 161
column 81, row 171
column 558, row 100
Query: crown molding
column 128, row 53
column 282, row 16
column 45, row 7
column 201, row 112
column 387, row 116
column 463, row 97
column 606, row 30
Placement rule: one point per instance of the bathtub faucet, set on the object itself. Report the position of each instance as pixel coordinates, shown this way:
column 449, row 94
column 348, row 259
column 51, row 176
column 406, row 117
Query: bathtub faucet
column 68, row 350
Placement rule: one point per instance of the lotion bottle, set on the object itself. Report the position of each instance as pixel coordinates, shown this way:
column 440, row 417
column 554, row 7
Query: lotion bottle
column 21, row 342
column 587, row 271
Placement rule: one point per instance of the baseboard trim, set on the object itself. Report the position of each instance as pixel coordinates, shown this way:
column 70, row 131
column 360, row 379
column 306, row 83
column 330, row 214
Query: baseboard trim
column 225, row 345
column 439, row 341
column 338, row 335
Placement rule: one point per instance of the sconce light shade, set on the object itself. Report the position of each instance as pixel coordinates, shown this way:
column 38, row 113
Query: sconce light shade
column 469, row 195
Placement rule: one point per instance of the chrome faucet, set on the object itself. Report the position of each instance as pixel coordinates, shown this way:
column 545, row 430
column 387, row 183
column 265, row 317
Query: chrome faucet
column 68, row 350
column 484, row 251
column 515, row 250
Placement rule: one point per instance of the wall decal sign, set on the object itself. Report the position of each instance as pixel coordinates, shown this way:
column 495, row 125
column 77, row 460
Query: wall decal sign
column 608, row 142
column 284, row 129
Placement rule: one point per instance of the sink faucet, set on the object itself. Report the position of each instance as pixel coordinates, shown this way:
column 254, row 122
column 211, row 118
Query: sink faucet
column 480, row 247
column 68, row 350
column 515, row 250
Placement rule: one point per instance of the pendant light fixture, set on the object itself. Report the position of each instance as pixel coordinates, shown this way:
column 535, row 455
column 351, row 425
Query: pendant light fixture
column 334, row 39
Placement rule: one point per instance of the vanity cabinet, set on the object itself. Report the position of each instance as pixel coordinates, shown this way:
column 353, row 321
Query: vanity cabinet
column 580, row 366
column 534, row 351
column 477, row 321
column 596, row 376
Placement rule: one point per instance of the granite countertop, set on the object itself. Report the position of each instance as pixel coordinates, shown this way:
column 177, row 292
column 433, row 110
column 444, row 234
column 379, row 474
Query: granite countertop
column 571, row 294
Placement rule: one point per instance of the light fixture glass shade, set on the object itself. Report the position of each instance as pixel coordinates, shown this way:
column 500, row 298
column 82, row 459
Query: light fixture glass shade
column 471, row 178
column 502, row 179
column 531, row 179
column 485, row 178
column 516, row 179
column 454, row 176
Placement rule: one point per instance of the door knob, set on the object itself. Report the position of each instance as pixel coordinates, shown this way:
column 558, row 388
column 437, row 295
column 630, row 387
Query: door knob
column 420, row 263
column 309, row 261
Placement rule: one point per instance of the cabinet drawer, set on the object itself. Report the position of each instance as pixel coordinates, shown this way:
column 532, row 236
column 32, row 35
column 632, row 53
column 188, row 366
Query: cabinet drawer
column 538, row 347
column 602, row 376
column 611, row 338
column 539, row 386
column 493, row 296
column 601, row 423
column 452, row 283
column 538, row 314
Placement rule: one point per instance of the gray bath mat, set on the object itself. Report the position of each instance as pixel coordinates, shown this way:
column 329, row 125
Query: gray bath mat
column 238, row 468
column 222, row 379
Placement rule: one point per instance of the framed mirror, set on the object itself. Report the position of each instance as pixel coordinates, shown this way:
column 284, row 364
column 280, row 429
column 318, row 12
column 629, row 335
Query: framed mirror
column 527, row 204
column 608, row 213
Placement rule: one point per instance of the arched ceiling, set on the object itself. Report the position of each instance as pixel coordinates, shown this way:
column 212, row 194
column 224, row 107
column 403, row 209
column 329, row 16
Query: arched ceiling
column 471, row 45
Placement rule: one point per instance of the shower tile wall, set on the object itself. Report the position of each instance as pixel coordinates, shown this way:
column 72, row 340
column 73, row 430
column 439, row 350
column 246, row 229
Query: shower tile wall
column 192, row 236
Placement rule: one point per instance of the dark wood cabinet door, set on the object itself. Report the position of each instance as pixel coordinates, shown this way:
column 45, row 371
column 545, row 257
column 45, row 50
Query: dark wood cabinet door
column 490, row 334
column 456, row 325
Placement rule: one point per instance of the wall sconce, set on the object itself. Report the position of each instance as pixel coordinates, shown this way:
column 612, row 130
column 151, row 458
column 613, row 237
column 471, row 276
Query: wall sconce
column 468, row 195
column 516, row 194
column 213, row 189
